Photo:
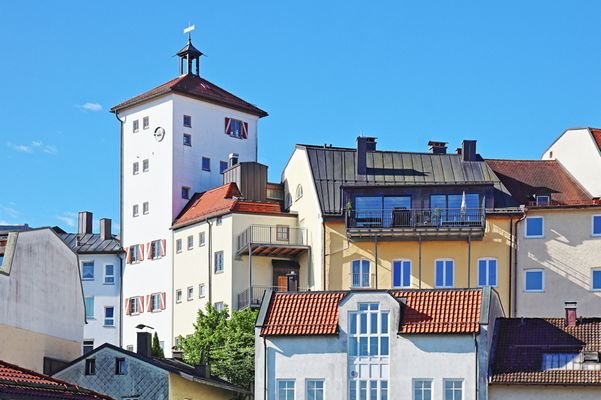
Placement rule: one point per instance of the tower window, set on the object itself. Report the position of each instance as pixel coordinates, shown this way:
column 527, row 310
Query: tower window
column 187, row 121
column 187, row 139
column 136, row 126
column 145, row 123
column 206, row 164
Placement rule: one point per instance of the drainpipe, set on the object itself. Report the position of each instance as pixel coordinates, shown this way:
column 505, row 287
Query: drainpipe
column 469, row 260
column 376, row 254
column 515, row 261
column 510, row 262
column 419, row 262
column 210, row 251
column 476, row 366
column 323, row 251
column 265, row 369
column 121, row 267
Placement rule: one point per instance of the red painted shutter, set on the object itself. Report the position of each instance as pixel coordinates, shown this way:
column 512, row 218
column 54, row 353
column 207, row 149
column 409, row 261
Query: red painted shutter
column 127, row 256
column 148, row 251
column 163, row 247
column 244, row 130
column 141, row 304
column 127, row 306
column 227, row 125
column 163, row 301
column 148, row 303
column 141, row 251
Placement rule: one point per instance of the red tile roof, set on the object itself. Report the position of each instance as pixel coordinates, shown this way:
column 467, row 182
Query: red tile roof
column 524, row 178
column 20, row 381
column 440, row 311
column 597, row 136
column 219, row 201
column 309, row 313
column 521, row 343
column 197, row 87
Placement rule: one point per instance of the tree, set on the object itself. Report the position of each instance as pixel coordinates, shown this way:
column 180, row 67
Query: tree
column 157, row 351
column 226, row 344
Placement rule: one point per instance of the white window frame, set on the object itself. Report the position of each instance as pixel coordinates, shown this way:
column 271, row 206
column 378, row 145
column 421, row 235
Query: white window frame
column 201, row 239
column 544, row 196
column 222, row 259
column 155, row 297
column 201, row 290
column 219, row 305
column 444, row 285
column 593, row 225
column 83, row 264
column 187, row 140
column 368, row 335
column 308, row 396
column 542, row 235
column 145, row 208
column 145, row 165
column 136, row 309
column 361, row 274
column 190, row 293
column 155, row 249
column 218, row 221
column 145, row 122
column 133, row 254
column 178, row 296
column 109, row 275
column 488, row 259
column 178, row 246
column 402, row 261
column 112, row 324
column 287, row 380
column 92, row 315
column 190, row 242
column 135, row 210
column 135, row 126
column 593, row 270
column 136, row 168
column 420, row 380
column 298, row 193
column 542, row 271
column 447, row 380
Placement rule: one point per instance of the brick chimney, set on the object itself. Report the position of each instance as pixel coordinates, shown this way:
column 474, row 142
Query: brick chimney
column 144, row 347
column 84, row 222
column 105, row 229
column 437, row 147
column 571, row 314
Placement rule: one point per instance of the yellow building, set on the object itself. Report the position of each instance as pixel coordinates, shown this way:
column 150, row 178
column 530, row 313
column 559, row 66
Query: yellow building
column 384, row 219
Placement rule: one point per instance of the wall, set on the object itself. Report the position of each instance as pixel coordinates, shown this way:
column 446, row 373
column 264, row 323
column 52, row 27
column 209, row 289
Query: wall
column 340, row 254
column 543, row 392
column 579, row 154
column 42, row 312
column 184, row 389
column 566, row 253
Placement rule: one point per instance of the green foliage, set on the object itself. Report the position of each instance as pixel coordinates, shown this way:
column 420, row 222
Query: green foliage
column 226, row 344
column 156, row 347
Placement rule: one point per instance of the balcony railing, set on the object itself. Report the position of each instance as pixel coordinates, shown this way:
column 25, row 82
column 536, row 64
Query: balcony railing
column 272, row 235
column 253, row 296
column 362, row 281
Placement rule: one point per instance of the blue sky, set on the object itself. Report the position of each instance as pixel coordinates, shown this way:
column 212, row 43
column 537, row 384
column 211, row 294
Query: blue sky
column 512, row 75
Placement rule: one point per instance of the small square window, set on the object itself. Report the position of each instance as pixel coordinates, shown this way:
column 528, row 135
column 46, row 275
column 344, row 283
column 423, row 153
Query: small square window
column 201, row 291
column 222, row 166
column 190, row 293
column 422, row 389
column 190, row 242
column 185, row 192
column 542, row 201
column 453, row 389
column 218, row 221
column 206, row 164
column 178, row 246
column 187, row 121
column 282, row 233
column 596, row 225
column 145, row 165
column 136, row 126
column 178, row 296
column 90, row 366
column 534, row 280
column 87, row 271
column 315, row 389
column 109, row 274
column 129, row 347
column 145, row 208
column 109, row 316
column 219, row 306
column 534, row 227
column 286, row 390
column 120, row 366
column 136, row 168
column 88, row 346
column 596, row 279
column 201, row 239
column 187, row 139
column 135, row 210
column 145, row 123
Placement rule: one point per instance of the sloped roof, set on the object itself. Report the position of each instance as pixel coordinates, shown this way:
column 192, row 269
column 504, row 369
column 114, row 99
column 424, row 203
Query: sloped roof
column 22, row 383
column 524, row 178
column 90, row 243
column 197, row 87
column 521, row 343
column 596, row 136
column 334, row 167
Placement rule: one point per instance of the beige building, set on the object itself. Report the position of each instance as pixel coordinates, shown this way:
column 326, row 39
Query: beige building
column 42, row 312
column 558, row 241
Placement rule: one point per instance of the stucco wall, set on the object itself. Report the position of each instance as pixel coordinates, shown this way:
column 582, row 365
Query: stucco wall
column 543, row 392
column 566, row 253
column 184, row 389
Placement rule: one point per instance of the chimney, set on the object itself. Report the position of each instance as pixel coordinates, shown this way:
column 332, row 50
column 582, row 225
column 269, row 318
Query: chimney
column 177, row 355
column 105, row 229
column 84, row 222
column 571, row 315
column 437, row 147
column 364, row 144
column 232, row 160
column 468, row 150
column 144, row 347
column 292, row 281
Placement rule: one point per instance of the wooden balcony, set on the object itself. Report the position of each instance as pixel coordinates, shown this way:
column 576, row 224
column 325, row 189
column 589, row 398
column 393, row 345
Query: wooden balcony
column 272, row 241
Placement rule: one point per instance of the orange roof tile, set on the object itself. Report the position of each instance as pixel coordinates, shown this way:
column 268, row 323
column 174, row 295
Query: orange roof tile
column 597, row 136
column 309, row 313
column 440, row 311
column 257, row 207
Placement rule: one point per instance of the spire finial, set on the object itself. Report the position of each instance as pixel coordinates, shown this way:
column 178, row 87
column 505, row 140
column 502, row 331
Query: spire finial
column 189, row 30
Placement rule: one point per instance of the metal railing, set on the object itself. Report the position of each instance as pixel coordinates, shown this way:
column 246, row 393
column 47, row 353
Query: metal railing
column 414, row 218
column 362, row 280
column 272, row 235
column 252, row 297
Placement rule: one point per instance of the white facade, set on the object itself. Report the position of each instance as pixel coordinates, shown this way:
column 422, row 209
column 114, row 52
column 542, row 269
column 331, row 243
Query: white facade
column 580, row 155
column 157, row 191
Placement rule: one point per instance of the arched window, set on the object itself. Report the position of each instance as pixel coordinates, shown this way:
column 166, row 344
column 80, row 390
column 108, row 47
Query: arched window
column 360, row 275
column 299, row 192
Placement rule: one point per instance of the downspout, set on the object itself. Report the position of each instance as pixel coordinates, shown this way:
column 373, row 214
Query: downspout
column 419, row 262
column 469, row 260
column 323, row 251
column 210, row 251
column 265, row 369
column 121, row 267
column 477, row 367
column 515, row 261
column 376, row 255
column 510, row 262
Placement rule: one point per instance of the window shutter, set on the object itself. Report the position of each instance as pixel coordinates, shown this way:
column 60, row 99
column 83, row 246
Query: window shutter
column 244, row 130
column 148, row 303
column 163, row 247
column 127, row 256
column 148, row 250
column 141, row 251
column 163, row 298
column 140, row 304
column 127, row 306
column 227, row 125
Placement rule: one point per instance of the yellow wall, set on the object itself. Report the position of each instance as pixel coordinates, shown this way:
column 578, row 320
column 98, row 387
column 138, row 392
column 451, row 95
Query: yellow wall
column 184, row 389
column 496, row 243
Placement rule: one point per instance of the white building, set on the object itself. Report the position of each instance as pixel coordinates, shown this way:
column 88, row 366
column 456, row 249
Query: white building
column 579, row 151
column 175, row 141
column 375, row 345
column 101, row 260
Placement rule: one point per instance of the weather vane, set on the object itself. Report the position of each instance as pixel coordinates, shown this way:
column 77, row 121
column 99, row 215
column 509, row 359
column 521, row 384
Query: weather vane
column 189, row 29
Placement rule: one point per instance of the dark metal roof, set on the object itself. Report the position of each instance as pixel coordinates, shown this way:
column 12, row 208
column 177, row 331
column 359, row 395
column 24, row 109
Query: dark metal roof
column 335, row 167
column 189, row 49
column 90, row 243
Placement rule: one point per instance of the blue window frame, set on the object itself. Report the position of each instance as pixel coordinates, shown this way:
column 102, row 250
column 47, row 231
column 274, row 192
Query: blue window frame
column 360, row 274
column 534, row 280
column 222, row 166
column 596, row 225
column 534, row 227
column 401, row 273
column 596, row 279
column 87, row 270
column 206, row 164
column 487, row 272
column 445, row 270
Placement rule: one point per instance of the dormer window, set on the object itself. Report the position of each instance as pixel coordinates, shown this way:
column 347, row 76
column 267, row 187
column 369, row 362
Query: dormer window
column 561, row 361
column 542, row 201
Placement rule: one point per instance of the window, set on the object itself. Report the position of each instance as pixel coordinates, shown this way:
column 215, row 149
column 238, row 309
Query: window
column 109, row 274
column 422, row 389
column 285, row 389
column 190, row 293
column 299, row 192
column 282, row 233
column 155, row 249
column 218, row 262
column 453, row 389
column 219, row 306
column 88, row 345
column 190, row 242
column 218, row 221
column 201, row 291
column 368, row 331
column 135, row 210
column 109, row 316
column 542, row 201
column 236, row 128
column 596, row 279
column 120, row 366
column 136, row 126
column 201, row 239
column 401, row 273
column 445, row 273
column 145, row 165
column 383, row 211
column 187, row 139
column 136, row 168
column 288, row 200
column 87, row 270
column 360, row 276
column 90, row 366
column 145, row 122
column 534, row 280
column 206, row 164
column 534, row 227
column 134, row 306
column 596, row 225
column 155, row 302
column 187, row 121
column 185, row 192
column 89, row 302
column 178, row 246
column 145, row 208
column 487, row 272
column 222, row 166
column 130, row 347
column 315, row 389
column 178, row 296
column 561, row 361
column 134, row 255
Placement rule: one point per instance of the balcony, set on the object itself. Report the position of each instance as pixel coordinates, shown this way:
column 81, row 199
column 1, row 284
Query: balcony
column 272, row 241
column 253, row 296
column 362, row 281
column 409, row 224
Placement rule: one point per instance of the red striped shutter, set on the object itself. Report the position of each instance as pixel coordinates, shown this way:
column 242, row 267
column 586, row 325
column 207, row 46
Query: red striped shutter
column 127, row 307
column 141, row 251
column 148, row 250
column 163, row 301
column 141, row 304
column 163, row 247
column 244, row 130
column 127, row 256
column 148, row 303
column 227, row 125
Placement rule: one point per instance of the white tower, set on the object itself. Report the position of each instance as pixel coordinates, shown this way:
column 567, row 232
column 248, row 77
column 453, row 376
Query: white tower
column 175, row 141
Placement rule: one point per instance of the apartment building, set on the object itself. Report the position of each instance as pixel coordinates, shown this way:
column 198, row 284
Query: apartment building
column 386, row 219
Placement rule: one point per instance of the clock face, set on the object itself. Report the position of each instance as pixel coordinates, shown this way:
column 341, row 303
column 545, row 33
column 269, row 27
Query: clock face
column 159, row 134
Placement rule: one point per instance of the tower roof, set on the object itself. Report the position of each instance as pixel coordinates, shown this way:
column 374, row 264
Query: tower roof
column 190, row 50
